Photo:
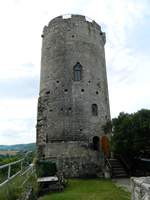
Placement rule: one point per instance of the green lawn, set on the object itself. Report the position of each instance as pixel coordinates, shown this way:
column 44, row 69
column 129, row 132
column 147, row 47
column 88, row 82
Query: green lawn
column 89, row 189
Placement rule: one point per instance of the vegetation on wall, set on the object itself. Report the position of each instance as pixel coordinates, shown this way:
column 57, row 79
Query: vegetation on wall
column 107, row 128
column 45, row 168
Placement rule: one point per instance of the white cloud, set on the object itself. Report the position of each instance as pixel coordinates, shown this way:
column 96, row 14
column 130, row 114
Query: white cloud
column 22, row 22
column 127, row 82
column 18, row 108
column 17, row 120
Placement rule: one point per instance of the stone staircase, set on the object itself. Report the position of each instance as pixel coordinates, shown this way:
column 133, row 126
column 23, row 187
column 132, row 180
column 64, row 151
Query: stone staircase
column 118, row 170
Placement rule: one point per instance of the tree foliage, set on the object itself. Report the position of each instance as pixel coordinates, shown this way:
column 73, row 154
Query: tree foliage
column 107, row 128
column 131, row 133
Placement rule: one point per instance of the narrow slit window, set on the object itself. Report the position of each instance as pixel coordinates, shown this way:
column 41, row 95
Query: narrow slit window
column 77, row 72
column 94, row 109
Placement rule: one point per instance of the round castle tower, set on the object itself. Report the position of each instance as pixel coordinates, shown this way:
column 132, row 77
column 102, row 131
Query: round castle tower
column 73, row 104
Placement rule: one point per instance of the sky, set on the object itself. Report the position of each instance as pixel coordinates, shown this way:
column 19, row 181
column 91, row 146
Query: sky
column 127, row 27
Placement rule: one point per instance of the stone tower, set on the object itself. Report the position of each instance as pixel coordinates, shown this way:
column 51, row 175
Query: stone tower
column 73, row 104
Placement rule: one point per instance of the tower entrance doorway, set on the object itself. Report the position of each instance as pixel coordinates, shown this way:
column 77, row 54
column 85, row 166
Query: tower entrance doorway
column 96, row 143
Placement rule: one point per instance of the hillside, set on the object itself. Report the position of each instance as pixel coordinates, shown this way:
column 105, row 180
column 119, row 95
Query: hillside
column 18, row 147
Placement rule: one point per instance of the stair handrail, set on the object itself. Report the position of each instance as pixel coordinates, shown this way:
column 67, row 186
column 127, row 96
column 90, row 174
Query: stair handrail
column 108, row 164
column 124, row 162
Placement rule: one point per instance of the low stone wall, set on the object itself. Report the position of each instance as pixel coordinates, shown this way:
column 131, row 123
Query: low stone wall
column 140, row 188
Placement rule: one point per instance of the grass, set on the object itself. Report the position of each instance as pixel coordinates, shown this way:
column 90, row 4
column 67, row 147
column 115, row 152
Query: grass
column 14, row 189
column 11, row 190
column 89, row 189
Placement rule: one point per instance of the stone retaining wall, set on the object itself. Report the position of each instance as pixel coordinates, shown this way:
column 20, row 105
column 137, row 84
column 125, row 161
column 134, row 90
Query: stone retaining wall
column 140, row 188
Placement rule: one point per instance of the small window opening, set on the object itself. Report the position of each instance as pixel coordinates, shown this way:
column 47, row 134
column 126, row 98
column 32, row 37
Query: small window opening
column 96, row 143
column 101, row 33
column 61, row 109
column 50, row 110
column 66, row 90
column 48, row 92
column 89, row 81
column 82, row 90
column 94, row 109
column 72, row 36
column 77, row 70
column 69, row 108
column 99, row 85
column 96, row 92
column 46, row 138
column 57, row 81
column 80, row 129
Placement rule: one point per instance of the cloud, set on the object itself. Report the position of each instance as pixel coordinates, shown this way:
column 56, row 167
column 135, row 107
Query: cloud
column 26, row 87
column 127, row 57
column 18, row 108
column 127, row 68
column 17, row 120
column 14, row 137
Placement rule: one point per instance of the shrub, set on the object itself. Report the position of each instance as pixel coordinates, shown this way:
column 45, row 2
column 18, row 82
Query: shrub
column 131, row 133
column 45, row 168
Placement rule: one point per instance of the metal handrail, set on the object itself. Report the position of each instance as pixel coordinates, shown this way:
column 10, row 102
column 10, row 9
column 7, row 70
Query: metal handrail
column 125, row 163
column 9, row 176
column 31, row 169
column 128, row 169
column 11, row 163
column 107, row 163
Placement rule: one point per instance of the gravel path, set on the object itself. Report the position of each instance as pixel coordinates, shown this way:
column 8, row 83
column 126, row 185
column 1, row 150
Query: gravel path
column 123, row 182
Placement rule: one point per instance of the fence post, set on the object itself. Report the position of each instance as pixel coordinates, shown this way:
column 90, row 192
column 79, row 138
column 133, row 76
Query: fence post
column 21, row 165
column 9, row 171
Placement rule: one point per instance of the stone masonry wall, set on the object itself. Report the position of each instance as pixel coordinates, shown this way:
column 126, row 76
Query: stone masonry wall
column 140, row 188
column 65, row 105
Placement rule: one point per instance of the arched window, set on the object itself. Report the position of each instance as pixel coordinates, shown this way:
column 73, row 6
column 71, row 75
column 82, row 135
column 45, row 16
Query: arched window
column 96, row 143
column 77, row 70
column 94, row 109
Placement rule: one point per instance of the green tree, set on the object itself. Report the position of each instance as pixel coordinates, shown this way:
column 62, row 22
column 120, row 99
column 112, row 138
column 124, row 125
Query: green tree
column 131, row 134
column 107, row 128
